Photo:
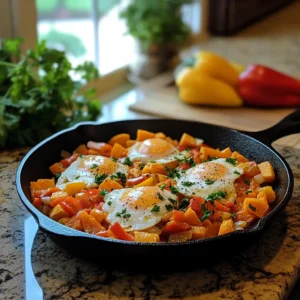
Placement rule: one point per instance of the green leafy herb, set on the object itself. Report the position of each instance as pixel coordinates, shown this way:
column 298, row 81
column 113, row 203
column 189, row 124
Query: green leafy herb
column 57, row 175
column 209, row 159
column 141, row 166
column 233, row 216
column 188, row 160
column 173, row 173
column 103, row 193
column 114, row 159
column 184, row 203
column 252, row 207
column 160, row 197
column 123, row 214
column 38, row 96
column 173, row 190
column 121, row 176
column 152, row 161
column 162, row 187
column 232, row 161
column 109, row 203
column 216, row 196
column 173, row 201
column 209, row 181
column 77, row 176
column 247, row 181
column 155, row 208
column 237, row 172
column 100, row 178
column 248, row 192
column 94, row 166
column 127, row 162
column 187, row 183
column 169, row 207
column 205, row 215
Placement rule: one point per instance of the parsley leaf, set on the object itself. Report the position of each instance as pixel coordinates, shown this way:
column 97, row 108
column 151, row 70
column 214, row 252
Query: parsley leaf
column 120, row 176
column 160, row 197
column 174, row 190
column 162, row 187
column 77, row 176
column 94, row 166
column 169, row 207
column 114, row 159
column 127, row 162
column 103, row 193
column 123, row 214
column 187, row 183
column 209, row 181
column 173, row 201
column 155, row 208
column 57, row 175
column 109, row 203
column 252, row 207
column 100, row 178
column 141, row 166
column 237, row 172
column 205, row 215
column 216, row 196
column 173, row 173
column 232, row 161
column 248, row 192
column 247, row 181
column 184, row 203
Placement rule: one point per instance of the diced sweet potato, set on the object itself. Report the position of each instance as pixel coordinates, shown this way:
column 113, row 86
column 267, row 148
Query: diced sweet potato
column 75, row 223
column 268, row 190
column 198, row 232
column 56, row 168
column 206, row 152
column 98, row 214
column 160, row 135
column 227, row 226
column 257, row 206
column 59, row 194
column 154, row 168
column 143, row 135
column 162, row 178
column 117, row 151
column 73, row 188
column 110, row 185
column 58, row 212
column 191, row 217
column 175, row 227
column 240, row 158
column 147, row 182
column 41, row 184
column 130, row 143
column 187, row 140
column 227, row 152
column 267, row 171
column 103, row 149
column 89, row 223
column 120, row 138
column 212, row 230
column 181, row 236
column 146, row 237
column 82, row 149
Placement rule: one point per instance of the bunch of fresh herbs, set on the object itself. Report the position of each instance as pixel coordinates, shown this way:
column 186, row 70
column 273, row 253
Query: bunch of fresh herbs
column 39, row 95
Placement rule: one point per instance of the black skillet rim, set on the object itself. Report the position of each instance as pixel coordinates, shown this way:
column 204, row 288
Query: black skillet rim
column 39, row 216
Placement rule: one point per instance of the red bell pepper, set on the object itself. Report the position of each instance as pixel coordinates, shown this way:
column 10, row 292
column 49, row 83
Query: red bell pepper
column 262, row 86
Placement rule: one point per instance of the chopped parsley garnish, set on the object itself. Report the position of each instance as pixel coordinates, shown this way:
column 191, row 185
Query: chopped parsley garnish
column 57, row 175
column 237, row 172
column 174, row 190
column 81, row 156
column 94, row 166
column 114, row 159
column 173, row 173
column 247, row 181
column 252, row 207
column 77, row 176
column 205, row 215
column 100, row 178
column 109, row 203
column 184, row 203
column 152, row 161
column 120, row 176
column 215, row 196
column 160, row 197
column 173, row 201
column 233, row 216
column 141, row 166
column 169, row 207
column 209, row 181
column 162, row 187
column 103, row 193
column 232, row 161
column 123, row 214
column 187, row 183
column 248, row 192
column 188, row 160
column 127, row 162
column 209, row 159
column 155, row 208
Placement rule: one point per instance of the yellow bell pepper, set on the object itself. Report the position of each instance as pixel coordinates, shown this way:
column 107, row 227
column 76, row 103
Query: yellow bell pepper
column 199, row 88
column 216, row 67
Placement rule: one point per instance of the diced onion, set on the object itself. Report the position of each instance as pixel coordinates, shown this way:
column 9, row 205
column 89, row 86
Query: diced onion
column 199, row 141
column 240, row 224
column 259, row 178
column 65, row 154
column 46, row 200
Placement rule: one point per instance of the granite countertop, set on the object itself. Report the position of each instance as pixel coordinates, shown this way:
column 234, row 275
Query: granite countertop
column 266, row 270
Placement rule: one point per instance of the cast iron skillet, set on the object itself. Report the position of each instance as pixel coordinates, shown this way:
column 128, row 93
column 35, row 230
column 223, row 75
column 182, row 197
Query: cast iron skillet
column 254, row 145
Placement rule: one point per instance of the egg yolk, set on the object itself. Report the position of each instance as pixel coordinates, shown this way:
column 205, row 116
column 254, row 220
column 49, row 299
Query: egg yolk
column 103, row 165
column 210, row 170
column 155, row 147
column 142, row 198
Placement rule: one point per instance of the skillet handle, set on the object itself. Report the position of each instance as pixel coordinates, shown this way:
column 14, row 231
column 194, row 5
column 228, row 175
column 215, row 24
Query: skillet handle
column 287, row 126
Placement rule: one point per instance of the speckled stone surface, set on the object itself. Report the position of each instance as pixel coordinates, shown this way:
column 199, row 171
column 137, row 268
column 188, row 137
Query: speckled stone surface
column 266, row 270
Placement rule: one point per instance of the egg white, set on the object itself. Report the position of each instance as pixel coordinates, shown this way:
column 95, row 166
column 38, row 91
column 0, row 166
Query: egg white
column 194, row 183
column 135, row 216
column 84, row 170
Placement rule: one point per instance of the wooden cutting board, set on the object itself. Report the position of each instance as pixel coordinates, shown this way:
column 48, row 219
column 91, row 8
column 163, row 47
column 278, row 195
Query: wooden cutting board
column 159, row 98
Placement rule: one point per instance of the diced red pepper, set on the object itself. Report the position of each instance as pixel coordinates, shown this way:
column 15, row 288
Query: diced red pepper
column 67, row 208
column 67, row 161
column 37, row 203
column 175, row 227
column 120, row 233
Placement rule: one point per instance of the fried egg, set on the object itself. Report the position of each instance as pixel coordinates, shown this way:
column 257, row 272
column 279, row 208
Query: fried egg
column 138, row 208
column 155, row 149
column 210, row 177
column 85, row 168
